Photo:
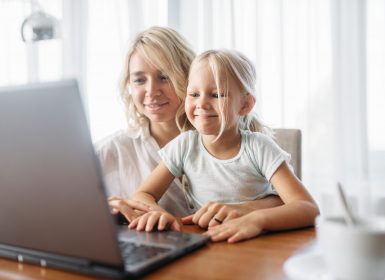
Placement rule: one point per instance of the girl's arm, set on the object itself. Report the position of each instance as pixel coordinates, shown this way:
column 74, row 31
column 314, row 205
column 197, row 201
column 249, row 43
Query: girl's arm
column 149, row 193
column 152, row 189
column 299, row 210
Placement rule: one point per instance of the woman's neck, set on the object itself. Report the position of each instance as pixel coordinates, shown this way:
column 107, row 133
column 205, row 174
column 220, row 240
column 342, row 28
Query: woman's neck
column 225, row 147
column 163, row 132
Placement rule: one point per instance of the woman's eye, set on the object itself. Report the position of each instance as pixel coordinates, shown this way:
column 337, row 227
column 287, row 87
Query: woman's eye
column 194, row 94
column 164, row 78
column 139, row 81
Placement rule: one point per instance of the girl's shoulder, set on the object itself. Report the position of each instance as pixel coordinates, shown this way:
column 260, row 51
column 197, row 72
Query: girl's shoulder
column 256, row 137
column 186, row 136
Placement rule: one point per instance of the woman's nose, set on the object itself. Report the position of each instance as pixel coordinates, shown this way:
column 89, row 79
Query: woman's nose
column 152, row 88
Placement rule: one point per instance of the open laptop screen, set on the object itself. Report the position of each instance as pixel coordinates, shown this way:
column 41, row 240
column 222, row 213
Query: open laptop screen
column 47, row 162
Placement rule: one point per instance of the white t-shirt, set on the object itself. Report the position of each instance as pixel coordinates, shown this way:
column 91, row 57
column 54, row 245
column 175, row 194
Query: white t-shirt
column 244, row 177
column 127, row 158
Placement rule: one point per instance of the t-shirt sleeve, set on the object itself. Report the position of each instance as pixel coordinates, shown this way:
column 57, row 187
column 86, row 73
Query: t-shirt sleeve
column 174, row 152
column 268, row 155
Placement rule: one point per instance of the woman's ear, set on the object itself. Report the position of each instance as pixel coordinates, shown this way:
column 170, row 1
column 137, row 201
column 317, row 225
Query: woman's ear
column 129, row 89
column 248, row 105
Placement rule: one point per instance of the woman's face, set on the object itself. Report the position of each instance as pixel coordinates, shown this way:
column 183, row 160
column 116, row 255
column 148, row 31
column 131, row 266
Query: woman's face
column 152, row 91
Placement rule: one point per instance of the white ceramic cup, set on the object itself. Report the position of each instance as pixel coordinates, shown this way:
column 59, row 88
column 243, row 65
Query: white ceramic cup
column 353, row 252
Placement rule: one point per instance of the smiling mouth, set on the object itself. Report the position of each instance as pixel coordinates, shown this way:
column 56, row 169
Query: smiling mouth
column 205, row 116
column 155, row 106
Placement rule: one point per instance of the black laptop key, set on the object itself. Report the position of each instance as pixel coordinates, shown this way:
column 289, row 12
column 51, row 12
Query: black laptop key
column 136, row 253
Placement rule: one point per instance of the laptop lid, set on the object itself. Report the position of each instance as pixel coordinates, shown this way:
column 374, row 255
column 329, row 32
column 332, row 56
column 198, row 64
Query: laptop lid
column 53, row 209
column 48, row 170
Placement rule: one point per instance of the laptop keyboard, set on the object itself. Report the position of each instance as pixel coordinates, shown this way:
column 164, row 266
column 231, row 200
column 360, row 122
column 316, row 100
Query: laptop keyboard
column 136, row 253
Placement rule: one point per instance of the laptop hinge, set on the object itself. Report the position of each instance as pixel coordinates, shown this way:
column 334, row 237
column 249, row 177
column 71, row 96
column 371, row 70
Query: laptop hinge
column 50, row 260
column 41, row 258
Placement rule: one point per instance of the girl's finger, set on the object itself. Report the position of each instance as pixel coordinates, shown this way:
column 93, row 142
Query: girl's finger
column 142, row 222
column 152, row 221
column 133, row 223
column 162, row 224
column 175, row 225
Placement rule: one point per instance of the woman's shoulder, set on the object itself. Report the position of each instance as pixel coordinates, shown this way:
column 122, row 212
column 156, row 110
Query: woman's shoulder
column 121, row 138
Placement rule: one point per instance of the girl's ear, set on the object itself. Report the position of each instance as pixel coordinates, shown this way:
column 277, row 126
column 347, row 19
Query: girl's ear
column 248, row 105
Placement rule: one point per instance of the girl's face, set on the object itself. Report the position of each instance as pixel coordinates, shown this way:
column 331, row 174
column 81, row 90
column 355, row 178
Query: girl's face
column 203, row 104
column 152, row 92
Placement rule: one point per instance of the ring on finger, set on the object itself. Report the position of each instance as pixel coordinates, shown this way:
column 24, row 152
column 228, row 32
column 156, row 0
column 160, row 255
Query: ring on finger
column 218, row 221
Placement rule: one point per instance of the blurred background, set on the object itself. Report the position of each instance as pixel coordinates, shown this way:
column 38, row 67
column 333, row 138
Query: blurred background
column 320, row 65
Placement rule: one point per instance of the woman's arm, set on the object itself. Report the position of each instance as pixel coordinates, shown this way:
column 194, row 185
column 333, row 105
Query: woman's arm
column 299, row 210
column 212, row 212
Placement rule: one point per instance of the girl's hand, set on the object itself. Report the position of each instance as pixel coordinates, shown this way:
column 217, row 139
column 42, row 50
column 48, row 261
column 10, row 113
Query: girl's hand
column 235, row 230
column 131, row 209
column 149, row 220
column 212, row 214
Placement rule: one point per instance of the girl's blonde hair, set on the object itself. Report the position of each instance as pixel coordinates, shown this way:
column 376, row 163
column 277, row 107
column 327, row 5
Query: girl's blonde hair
column 226, row 64
column 167, row 51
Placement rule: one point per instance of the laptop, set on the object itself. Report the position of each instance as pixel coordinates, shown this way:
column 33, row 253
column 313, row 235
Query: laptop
column 53, row 206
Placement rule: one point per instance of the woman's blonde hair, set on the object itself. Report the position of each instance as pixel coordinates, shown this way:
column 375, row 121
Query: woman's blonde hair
column 226, row 64
column 167, row 51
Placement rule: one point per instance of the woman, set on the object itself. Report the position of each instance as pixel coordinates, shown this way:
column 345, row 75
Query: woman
column 153, row 86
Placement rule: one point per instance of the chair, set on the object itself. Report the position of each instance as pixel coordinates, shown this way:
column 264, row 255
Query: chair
column 290, row 141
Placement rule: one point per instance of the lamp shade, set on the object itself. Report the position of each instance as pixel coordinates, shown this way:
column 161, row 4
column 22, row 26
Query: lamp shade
column 40, row 26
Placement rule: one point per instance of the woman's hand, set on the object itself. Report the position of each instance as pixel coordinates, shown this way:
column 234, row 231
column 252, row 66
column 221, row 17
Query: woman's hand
column 130, row 209
column 235, row 230
column 155, row 219
column 212, row 214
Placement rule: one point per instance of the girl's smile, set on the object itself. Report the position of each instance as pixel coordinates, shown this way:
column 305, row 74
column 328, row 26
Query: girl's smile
column 207, row 107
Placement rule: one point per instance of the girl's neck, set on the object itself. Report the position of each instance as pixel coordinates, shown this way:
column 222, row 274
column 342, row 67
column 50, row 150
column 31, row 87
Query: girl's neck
column 164, row 132
column 225, row 147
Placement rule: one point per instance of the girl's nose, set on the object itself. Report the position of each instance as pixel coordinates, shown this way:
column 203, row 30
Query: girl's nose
column 203, row 103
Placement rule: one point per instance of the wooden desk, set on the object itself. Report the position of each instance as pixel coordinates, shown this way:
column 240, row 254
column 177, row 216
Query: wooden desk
column 259, row 258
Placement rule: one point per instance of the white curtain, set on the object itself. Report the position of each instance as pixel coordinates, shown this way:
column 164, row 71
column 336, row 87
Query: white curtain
column 320, row 64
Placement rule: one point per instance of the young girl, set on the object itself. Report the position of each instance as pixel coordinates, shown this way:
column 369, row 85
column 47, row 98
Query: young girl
column 229, row 158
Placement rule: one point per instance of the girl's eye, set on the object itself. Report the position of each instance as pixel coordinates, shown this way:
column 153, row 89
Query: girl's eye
column 216, row 95
column 194, row 94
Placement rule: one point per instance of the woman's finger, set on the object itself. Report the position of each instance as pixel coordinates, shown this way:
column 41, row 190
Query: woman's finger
column 188, row 220
column 198, row 214
column 114, row 197
column 205, row 219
